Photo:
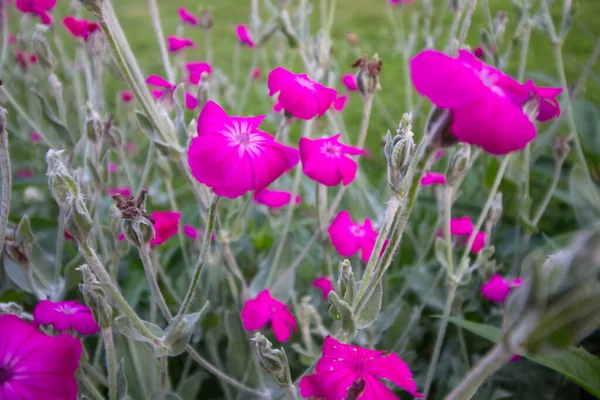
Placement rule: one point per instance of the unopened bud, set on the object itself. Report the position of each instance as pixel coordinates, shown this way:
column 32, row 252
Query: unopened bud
column 274, row 361
column 399, row 151
column 42, row 48
column 60, row 180
column 459, row 164
column 496, row 209
column 95, row 297
column 93, row 126
column 323, row 49
column 94, row 6
column 367, row 78
column 561, row 149
column 78, row 221
column 346, row 282
column 352, row 39
column 205, row 20
column 112, row 133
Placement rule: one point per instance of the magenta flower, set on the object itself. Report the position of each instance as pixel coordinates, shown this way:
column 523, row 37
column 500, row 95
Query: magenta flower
column 342, row 365
column 80, row 27
column 130, row 147
column 277, row 108
column 274, row 198
column 349, row 80
column 300, row 95
column 439, row 154
column 34, row 365
column 157, row 93
column 191, row 101
column 498, row 288
column 166, row 225
column 122, row 190
column 41, row 8
column 340, row 103
column 231, row 155
column 324, row 284
column 196, row 69
column 187, row 17
column 24, row 174
column 463, row 228
column 35, row 137
column 256, row 73
column 349, row 237
column 486, row 104
column 263, row 309
column 65, row 315
column 325, row 161
column 190, row 232
column 112, row 168
column 244, row 35
column 126, row 96
column 478, row 243
column 157, row 81
column 433, row 178
column 176, row 44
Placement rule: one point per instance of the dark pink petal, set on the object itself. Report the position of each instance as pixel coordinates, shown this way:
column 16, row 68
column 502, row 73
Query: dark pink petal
column 394, row 369
column 190, row 232
column 461, row 226
column 126, row 96
column 341, row 237
column 274, row 198
column 349, row 80
column 191, row 102
column 327, row 385
column 340, row 103
column 496, row 289
column 177, row 44
column 257, row 312
column 324, row 284
column 156, row 80
column 478, row 243
column 187, row 17
column 166, row 225
column 433, row 178
column 244, row 35
column 283, row 323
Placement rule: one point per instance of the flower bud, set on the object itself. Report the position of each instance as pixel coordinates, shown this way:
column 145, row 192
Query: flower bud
column 274, row 361
column 459, row 164
column 352, row 39
column 205, row 20
column 94, row 6
column 341, row 310
column 95, row 297
column 138, row 231
column 112, row 133
column 346, row 281
column 367, row 78
column 78, row 221
column 60, row 180
column 42, row 49
column 93, row 126
column 561, row 149
column 399, row 151
column 496, row 209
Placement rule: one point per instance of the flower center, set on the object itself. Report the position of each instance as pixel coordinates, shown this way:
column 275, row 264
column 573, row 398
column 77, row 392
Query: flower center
column 306, row 83
column 6, row 374
column 331, row 150
column 66, row 309
column 273, row 309
column 357, row 230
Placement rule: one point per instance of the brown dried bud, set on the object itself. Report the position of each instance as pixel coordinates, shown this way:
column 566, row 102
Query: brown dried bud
column 206, row 20
column 561, row 148
column 352, row 39
column 367, row 78
column 137, row 225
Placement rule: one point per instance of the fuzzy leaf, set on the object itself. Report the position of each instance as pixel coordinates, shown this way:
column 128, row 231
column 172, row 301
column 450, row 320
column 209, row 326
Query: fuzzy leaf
column 61, row 130
column 370, row 311
column 584, row 196
column 121, row 381
column 127, row 329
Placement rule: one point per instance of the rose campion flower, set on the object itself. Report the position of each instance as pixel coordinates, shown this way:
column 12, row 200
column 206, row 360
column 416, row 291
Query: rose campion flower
column 12, row 39
column 130, row 147
column 277, row 108
column 463, row 227
column 233, row 157
column 41, row 8
column 486, row 105
column 163, row 90
column 34, row 365
column 343, row 366
column 349, row 237
column 274, row 198
column 349, row 80
column 177, row 44
column 498, row 288
column 80, row 27
column 256, row 73
column 244, row 35
column 263, row 309
column 35, row 137
column 433, row 178
column 190, row 232
column 191, row 102
column 187, row 17
column 126, row 96
column 325, row 161
column 196, row 69
column 166, row 225
column 300, row 95
column 324, row 284
column 122, row 190
column 65, row 315
column 340, row 103
column 24, row 174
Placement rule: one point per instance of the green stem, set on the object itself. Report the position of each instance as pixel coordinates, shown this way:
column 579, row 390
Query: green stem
column 4, row 22
column 546, row 200
column 111, row 362
column 60, row 241
column 331, row 16
column 125, row 165
column 89, row 386
column 155, row 15
column 155, row 292
column 467, row 22
column 164, row 376
column 137, row 367
column 5, row 176
column 180, row 234
column 447, row 221
column 25, row 115
column 147, row 167
column 490, row 22
column 248, row 83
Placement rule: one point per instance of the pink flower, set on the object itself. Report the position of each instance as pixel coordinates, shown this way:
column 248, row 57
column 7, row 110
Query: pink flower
column 339, row 103
column 35, row 365
column 277, row 108
column 65, row 315
column 130, row 147
column 157, row 81
column 190, row 232
column 478, row 243
column 231, row 155
column 41, row 8
column 196, row 69
column 324, row 284
column 165, row 93
column 463, row 227
column 433, row 178
column 486, row 104
column 187, row 17
column 35, row 137
column 112, row 168
column 122, row 190
column 24, row 173
column 516, row 358
column 498, row 288
column 300, row 95
column 121, row 237
column 349, row 80
column 343, row 366
column 256, row 73
column 157, row 93
column 177, row 44
column 166, row 225
column 32, row 58
column 348, row 237
column 263, row 309
column 12, row 39
column 80, row 27
column 439, row 154
column 274, row 198
column 325, row 161
column 126, row 96
column 244, row 35
column 191, row 102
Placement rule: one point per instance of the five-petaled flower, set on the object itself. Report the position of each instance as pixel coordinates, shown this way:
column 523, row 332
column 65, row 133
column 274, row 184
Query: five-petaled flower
column 498, row 288
column 343, row 368
column 65, row 315
column 274, row 198
column 231, row 155
column 80, row 27
column 300, row 95
column 34, row 365
column 463, row 228
column 41, row 8
column 488, row 108
column 325, row 160
column 324, row 284
column 166, row 225
column 176, row 44
column 195, row 70
column 263, row 309
column 348, row 237
column 187, row 17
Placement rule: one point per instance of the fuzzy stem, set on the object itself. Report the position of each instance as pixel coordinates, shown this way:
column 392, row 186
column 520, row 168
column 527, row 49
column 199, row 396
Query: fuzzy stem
column 25, row 115
column 546, row 200
column 125, row 164
column 60, row 241
column 466, row 22
column 180, row 234
column 4, row 22
column 447, row 233
column 155, row 292
column 147, row 167
column 248, row 83
column 164, row 376
column 111, row 362
column 160, row 36
column 5, row 177
column 89, row 386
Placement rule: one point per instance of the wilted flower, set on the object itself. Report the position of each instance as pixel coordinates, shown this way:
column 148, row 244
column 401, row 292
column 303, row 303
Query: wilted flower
column 343, row 368
column 433, row 178
column 231, row 155
column 349, row 80
column 196, row 69
column 244, row 35
column 166, row 225
column 122, row 190
column 324, row 284
column 41, row 8
column 187, row 17
column 340, row 103
column 263, row 309
column 486, row 104
column 325, row 161
column 80, row 27
column 498, row 288
column 274, row 198
column 191, row 101
column 126, row 96
column 34, row 365
column 348, row 237
column 300, row 95
column 177, row 44
column 65, row 315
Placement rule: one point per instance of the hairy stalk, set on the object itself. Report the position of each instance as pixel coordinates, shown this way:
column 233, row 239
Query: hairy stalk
column 466, row 22
column 290, row 390
column 520, row 76
column 331, row 16
column 447, row 222
column 111, row 362
column 490, row 22
column 189, row 295
column 157, row 296
column 60, row 241
column 5, row 177
column 164, row 376
column 248, row 83
column 546, row 200
column 454, row 27
column 4, row 44
column 492, row 362
column 180, row 234
column 125, row 164
column 25, row 115
column 160, row 36
column 147, row 167
column 89, row 386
